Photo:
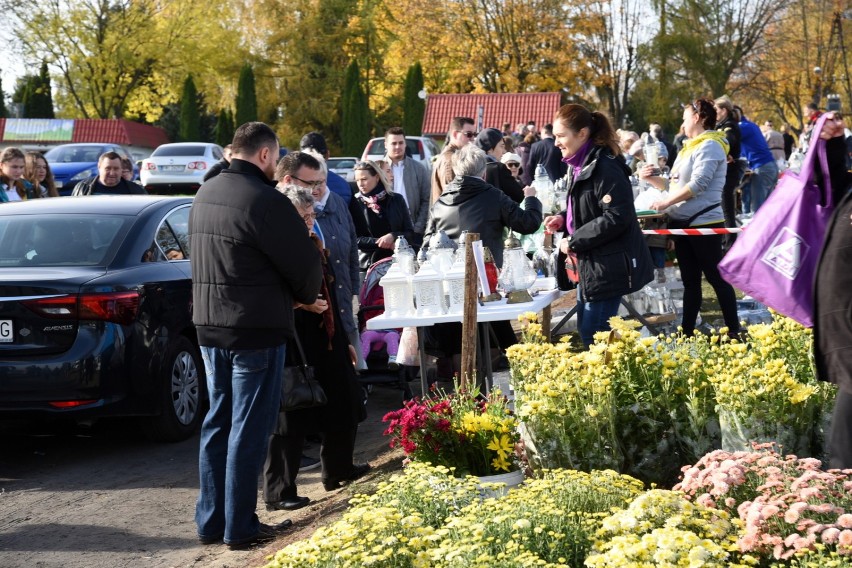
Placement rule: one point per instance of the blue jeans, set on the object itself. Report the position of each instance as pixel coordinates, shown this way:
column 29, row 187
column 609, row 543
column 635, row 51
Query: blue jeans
column 763, row 180
column 244, row 388
column 594, row 316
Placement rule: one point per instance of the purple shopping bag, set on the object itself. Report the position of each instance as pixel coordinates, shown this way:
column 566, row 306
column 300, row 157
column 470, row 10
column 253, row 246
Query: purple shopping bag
column 774, row 258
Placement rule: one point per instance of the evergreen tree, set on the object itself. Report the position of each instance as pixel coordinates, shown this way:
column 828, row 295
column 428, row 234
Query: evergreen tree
column 190, row 113
column 45, row 94
column 355, row 123
column 3, row 112
column 224, row 132
column 413, row 106
column 246, row 97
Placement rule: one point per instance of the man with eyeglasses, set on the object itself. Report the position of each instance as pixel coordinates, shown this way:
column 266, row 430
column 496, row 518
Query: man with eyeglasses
column 410, row 180
column 316, row 141
column 462, row 132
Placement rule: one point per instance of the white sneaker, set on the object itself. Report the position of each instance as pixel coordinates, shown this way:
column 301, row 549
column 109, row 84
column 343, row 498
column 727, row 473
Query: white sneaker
column 392, row 364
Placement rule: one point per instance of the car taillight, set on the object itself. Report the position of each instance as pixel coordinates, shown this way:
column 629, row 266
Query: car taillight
column 118, row 307
column 150, row 166
column 196, row 166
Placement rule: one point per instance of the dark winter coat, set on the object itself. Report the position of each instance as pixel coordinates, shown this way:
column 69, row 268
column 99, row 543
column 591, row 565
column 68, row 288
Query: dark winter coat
column 470, row 204
column 833, row 281
column 544, row 152
column 498, row 175
column 371, row 226
column 251, row 258
column 216, row 169
column 92, row 186
column 332, row 368
column 614, row 258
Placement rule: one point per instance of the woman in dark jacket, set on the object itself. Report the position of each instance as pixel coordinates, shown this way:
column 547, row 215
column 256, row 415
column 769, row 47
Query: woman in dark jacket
column 471, row 204
column 600, row 219
column 327, row 350
column 497, row 174
column 380, row 216
column 728, row 123
column 833, row 299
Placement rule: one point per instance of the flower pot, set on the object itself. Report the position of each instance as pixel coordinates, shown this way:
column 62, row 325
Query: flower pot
column 507, row 481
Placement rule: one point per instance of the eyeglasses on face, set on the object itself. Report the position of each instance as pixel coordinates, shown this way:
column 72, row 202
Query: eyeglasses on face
column 311, row 184
column 309, row 217
column 513, row 164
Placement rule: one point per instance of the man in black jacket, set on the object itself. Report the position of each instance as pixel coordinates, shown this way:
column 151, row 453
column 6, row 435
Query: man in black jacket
column 222, row 164
column 109, row 180
column 544, row 152
column 251, row 260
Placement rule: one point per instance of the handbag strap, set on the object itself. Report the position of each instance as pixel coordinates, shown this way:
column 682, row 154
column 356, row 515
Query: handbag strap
column 304, row 362
column 817, row 149
column 707, row 209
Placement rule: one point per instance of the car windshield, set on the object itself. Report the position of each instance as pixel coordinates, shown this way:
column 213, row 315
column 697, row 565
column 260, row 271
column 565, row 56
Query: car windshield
column 179, row 151
column 341, row 163
column 69, row 154
column 59, row 240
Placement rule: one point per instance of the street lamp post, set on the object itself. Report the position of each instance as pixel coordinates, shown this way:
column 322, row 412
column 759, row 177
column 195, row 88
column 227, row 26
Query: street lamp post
column 818, row 88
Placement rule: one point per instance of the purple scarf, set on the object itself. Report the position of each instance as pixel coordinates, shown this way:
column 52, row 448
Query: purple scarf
column 575, row 164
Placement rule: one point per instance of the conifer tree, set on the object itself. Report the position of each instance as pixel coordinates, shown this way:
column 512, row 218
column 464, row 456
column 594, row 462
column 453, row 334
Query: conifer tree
column 190, row 113
column 224, row 127
column 246, row 97
column 355, row 123
column 3, row 112
column 413, row 106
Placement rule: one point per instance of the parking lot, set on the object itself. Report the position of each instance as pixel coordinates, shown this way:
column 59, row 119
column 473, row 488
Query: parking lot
column 105, row 497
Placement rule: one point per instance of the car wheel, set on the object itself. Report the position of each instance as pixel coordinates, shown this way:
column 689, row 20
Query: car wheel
column 183, row 393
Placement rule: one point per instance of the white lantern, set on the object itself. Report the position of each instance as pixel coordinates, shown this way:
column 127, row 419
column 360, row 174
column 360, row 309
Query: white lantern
column 442, row 249
column 517, row 275
column 398, row 292
column 454, row 281
column 428, row 291
column 403, row 255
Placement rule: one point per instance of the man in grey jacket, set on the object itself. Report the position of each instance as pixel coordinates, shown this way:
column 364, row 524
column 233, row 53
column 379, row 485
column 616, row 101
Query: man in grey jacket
column 410, row 180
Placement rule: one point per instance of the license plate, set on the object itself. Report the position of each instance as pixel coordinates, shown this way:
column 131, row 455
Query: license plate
column 171, row 168
column 7, row 331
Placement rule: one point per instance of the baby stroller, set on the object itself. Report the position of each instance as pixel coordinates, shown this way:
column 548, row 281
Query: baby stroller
column 372, row 303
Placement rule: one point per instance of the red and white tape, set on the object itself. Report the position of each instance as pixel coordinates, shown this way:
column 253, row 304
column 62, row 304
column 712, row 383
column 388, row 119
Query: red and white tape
column 692, row 232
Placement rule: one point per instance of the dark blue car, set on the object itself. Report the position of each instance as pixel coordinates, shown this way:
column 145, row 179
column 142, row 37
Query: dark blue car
column 96, row 312
column 73, row 163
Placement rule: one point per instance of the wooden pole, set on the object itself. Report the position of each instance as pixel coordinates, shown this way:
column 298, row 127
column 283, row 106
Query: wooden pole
column 468, row 352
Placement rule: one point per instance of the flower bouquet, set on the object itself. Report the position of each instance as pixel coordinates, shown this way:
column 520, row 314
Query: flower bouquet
column 466, row 431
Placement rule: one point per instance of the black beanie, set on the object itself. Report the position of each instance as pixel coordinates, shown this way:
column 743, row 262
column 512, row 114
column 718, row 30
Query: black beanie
column 489, row 138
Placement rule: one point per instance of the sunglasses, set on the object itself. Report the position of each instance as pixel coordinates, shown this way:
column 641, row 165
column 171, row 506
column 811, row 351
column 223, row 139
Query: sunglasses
column 513, row 164
column 468, row 133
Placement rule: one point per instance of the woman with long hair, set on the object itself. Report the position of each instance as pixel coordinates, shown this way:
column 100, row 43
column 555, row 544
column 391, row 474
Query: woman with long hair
column 13, row 186
column 380, row 215
column 695, row 189
column 612, row 258
column 727, row 122
column 37, row 172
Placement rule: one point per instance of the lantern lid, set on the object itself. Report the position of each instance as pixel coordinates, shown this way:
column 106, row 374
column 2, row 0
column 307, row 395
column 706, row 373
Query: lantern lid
column 511, row 242
column 486, row 255
column 426, row 272
column 401, row 245
column 394, row 275
column 456, row 270
column 441, row 240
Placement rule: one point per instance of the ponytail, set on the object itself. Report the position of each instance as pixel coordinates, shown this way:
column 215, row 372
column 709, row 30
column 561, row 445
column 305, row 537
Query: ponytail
column 576, row 117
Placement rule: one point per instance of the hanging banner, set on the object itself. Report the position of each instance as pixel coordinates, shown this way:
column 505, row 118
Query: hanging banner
column 38, row 130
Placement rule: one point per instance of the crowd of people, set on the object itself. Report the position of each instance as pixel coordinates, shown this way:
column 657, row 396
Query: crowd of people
column 280, row 248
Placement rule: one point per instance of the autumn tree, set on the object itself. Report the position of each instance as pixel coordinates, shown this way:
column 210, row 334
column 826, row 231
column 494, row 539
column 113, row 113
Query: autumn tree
column 246, row 102
column 190, row 113
column 3, row 111
column 414, row 106
column 126, row 58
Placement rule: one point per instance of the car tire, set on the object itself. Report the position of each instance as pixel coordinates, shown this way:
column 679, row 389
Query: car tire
column 183, row 396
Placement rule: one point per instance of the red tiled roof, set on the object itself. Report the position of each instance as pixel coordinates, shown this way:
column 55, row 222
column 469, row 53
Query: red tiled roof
column 116, row 131
column 514, row 108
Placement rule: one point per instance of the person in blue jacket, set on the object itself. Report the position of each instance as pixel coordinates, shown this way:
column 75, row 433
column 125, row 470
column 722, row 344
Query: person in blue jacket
column 764, row 170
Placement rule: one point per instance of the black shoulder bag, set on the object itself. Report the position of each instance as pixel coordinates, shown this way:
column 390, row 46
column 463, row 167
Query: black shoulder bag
column 300, row 388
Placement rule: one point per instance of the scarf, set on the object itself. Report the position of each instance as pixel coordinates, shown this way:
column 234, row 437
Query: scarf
column 691, row 145
column 373, row 198
column 328, row 314
column 575, row 163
